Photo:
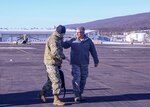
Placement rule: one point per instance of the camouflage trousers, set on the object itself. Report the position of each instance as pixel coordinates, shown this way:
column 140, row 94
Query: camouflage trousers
column 53, row 81
column 80, row 74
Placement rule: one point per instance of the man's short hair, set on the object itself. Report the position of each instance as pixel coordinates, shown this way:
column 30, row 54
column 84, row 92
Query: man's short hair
column 82, row 29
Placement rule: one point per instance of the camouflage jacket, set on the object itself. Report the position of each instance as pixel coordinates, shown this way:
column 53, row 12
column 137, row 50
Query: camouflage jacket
column 53, row 50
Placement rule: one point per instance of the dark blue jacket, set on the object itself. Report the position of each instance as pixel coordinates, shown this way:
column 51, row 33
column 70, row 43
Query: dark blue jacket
column 80, row 50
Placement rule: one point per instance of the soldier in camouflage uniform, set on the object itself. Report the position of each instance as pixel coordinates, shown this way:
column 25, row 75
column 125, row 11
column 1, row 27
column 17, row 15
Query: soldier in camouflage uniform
column 53, row 57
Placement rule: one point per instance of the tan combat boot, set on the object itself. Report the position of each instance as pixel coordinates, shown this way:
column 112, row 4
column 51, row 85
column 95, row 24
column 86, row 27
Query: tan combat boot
column 42, row 97
column 57, row 101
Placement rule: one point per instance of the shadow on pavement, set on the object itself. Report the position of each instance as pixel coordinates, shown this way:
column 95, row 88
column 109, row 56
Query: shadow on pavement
column 31, row 97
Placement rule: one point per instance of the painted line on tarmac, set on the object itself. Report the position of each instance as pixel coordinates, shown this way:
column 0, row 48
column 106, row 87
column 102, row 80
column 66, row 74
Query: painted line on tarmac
column 24, row 51
column 128, row 47
column 17, row 48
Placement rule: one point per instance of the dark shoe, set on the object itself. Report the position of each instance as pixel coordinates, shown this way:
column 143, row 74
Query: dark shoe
column 77, row 100
column 82, row 98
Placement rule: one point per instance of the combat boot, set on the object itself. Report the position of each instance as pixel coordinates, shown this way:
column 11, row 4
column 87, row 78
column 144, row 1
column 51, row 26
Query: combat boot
column 42, row 97
column 57, row 101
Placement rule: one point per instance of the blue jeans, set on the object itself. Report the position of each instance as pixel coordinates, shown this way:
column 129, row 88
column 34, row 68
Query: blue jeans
column 80, row 74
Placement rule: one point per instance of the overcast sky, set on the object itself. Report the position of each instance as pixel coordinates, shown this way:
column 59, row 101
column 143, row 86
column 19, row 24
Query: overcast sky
column 49, row 13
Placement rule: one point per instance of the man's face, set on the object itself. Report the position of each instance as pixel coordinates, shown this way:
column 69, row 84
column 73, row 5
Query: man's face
column 79, row 34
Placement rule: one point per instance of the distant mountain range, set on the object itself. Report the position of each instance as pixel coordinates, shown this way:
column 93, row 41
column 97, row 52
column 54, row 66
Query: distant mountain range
column 118, row 24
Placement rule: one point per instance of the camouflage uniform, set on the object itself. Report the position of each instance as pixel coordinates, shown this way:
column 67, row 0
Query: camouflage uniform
column 53, row 57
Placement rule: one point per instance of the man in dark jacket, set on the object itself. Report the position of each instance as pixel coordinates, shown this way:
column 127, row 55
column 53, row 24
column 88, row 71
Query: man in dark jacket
column 81, row 46
column 53, row 57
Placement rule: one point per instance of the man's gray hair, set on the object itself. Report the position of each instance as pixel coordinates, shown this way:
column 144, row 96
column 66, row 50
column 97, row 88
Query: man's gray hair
column 82, row 29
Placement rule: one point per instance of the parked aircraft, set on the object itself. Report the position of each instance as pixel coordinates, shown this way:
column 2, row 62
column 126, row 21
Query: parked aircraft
column 24, row 39
column 137, row 37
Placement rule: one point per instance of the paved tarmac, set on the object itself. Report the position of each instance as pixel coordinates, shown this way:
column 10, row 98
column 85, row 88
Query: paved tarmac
column 122, row 78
